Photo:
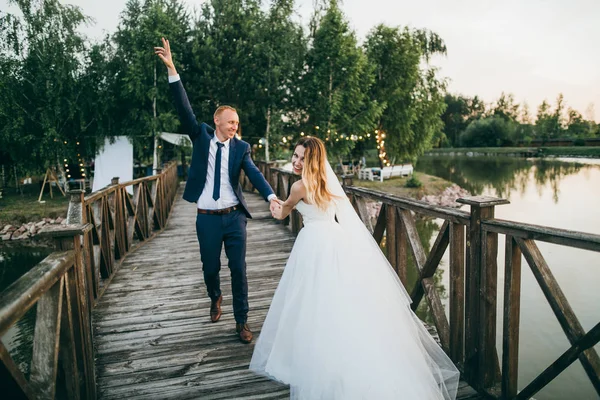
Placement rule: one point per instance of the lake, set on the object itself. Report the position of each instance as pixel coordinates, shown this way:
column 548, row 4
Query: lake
column 16, row 260
column 562, row 193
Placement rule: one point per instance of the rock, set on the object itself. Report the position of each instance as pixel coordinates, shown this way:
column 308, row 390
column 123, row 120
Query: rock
column 40, row 224
column 26, row 235
column 63, row 222
column 22, row 229
column 52, row 221
column 5, row 229
column 448, row 197
column 6, row 236
column 59, row 220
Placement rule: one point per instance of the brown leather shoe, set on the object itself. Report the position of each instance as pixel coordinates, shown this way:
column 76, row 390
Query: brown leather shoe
column 244, row 332
column 215, row 309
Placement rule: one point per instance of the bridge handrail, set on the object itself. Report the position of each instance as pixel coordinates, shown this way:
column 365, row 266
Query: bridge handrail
column 101, row 229
column 469, row 335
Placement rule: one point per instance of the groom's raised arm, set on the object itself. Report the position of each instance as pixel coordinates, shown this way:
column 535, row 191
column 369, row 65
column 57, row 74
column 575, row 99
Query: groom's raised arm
column 182, row 103
column 184, row 108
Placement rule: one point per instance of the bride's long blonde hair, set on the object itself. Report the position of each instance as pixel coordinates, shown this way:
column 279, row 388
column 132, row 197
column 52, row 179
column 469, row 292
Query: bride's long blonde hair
column 314, row 172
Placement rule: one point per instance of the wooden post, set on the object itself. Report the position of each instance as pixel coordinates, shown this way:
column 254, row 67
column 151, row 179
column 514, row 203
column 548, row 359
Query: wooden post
column 347, row 180
column 481, row 358
column 75, row 214
column 511, row 325
column 67, row 237
column 457, row 292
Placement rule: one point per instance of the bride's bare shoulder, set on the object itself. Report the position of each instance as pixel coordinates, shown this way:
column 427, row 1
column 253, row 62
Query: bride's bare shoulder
column 299, row 185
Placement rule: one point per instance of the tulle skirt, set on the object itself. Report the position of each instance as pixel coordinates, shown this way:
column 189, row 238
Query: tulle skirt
column 340, row 327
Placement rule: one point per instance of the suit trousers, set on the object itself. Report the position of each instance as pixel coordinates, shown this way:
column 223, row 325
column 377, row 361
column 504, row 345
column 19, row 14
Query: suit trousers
column 230, row 229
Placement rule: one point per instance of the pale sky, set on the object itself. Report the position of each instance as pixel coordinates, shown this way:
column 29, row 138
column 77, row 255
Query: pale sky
column 534, row 49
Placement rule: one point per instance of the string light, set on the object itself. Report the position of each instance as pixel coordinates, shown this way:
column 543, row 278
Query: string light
column 381, row 147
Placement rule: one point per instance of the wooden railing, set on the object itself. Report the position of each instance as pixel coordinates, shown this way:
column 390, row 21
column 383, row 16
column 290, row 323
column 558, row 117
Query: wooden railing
column 101, row 229
column 121, row 215
column 469, row 334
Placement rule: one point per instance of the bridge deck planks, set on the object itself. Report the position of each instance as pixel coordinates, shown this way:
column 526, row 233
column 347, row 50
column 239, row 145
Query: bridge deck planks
column 152, row 332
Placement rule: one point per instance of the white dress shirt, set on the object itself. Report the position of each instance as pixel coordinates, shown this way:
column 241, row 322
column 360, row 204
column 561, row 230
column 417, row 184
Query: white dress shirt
column 227, row 196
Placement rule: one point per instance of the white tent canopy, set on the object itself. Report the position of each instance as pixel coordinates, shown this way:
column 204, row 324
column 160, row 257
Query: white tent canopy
column 114, row 160
column 175, row 138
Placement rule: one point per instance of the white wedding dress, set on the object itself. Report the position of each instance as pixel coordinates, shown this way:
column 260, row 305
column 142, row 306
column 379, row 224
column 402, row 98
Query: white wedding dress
column 340, row 324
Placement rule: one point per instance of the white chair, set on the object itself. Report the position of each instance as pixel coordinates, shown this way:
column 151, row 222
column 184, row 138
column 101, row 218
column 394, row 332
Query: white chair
column 395, row 170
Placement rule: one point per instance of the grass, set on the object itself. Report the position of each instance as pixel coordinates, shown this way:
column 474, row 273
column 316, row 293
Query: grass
column 17, row 209
column 572, row 151
column 432, row 185
column 558, row 151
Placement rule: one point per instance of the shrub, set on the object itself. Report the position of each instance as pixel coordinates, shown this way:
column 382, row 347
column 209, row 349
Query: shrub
column 413, row 182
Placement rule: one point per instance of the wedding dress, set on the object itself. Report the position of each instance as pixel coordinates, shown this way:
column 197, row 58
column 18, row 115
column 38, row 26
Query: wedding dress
column 340, row 324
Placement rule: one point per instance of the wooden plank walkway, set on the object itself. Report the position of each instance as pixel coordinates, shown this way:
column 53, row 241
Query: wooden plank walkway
column 152, row 332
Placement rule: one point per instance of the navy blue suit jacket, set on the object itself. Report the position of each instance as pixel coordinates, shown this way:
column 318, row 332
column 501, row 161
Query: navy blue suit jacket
column 201, row 134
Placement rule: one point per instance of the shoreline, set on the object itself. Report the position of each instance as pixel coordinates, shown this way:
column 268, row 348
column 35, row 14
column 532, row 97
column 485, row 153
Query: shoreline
column 535, row 152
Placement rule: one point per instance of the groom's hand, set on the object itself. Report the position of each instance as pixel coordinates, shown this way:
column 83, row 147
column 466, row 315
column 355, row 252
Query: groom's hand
column 275, row 203
column 276, row 209
column 164, row 53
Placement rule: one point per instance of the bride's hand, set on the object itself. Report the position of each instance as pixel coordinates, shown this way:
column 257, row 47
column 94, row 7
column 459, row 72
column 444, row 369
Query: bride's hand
column 277, row 211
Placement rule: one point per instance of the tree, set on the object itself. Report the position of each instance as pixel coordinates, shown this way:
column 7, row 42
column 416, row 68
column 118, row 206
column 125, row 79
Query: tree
column 488, row 132
column 506, row 108
column 577, row 126
column 550, row 124
column 335, row 87
column 455, row 117
column 141, row 106
column 281, row 50
column 42, row 67
column 412, row 94
column 224, row 63
column 525, row 130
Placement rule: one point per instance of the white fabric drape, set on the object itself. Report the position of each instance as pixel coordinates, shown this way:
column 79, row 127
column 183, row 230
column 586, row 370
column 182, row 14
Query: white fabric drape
column 114, row 160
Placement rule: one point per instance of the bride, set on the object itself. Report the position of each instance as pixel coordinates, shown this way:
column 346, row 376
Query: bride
column 340, row 324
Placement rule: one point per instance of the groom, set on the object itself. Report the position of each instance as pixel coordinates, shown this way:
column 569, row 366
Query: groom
column 218, row 157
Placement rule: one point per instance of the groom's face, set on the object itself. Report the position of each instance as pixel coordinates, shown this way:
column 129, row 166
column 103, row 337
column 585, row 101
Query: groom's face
column 227, row 123
column 298, row 160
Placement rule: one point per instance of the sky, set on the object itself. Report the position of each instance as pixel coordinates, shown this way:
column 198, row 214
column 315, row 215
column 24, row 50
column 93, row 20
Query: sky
column 534, row 49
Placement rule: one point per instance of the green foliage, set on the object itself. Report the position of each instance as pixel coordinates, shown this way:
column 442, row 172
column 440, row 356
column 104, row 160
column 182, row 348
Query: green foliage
column 280, row 50
column 334, row 90
column 40, row 118
column 412, row 94
column 413, row 182
column 460, row 111
column 550, row 124
column 137, row 78
column 488, row 132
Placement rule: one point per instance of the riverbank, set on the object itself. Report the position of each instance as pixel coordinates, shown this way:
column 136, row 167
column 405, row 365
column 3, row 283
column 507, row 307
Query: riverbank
column 434, row 190
column 22, row 216
column 571, row 151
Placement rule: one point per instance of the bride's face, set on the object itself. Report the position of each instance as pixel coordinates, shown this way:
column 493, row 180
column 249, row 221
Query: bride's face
column 298, row 160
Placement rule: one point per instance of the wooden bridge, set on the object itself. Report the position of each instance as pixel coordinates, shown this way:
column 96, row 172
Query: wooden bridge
column 122, row 310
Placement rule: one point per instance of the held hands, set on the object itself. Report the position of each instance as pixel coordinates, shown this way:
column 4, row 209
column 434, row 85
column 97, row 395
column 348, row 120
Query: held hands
column 164, row 53
column 276, row 208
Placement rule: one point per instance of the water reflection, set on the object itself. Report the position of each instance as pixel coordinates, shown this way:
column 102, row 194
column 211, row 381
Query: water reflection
column 505, row 175
column 14, row 262
column 427, row 228
column 550, row 192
